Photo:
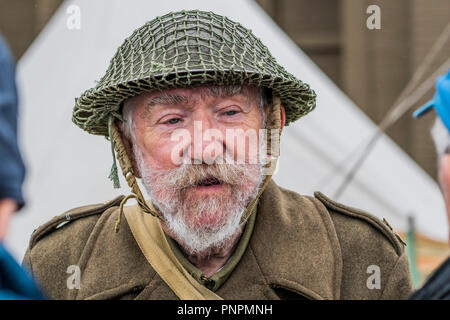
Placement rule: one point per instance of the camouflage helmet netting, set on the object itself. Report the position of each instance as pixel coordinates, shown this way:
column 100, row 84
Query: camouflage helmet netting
column 188, row 49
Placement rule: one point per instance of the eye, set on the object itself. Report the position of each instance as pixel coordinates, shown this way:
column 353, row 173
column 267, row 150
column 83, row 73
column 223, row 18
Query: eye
column 231, row 112
column 173, row 121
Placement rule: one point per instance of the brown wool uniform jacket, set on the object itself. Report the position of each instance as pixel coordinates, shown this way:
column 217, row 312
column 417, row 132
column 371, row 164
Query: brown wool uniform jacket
column 301, row 248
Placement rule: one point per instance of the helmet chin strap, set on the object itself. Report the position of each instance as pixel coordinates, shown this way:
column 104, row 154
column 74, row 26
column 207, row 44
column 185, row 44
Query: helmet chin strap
column 273, row 133
column 273, row 122
column 128, row 173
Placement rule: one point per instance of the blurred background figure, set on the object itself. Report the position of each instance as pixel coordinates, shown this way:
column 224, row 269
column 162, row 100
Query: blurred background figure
column 12, row 170
column 438, row 285
column 14, row 281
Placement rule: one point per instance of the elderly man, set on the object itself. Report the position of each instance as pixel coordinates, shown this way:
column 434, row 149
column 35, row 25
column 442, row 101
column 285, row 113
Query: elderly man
column 193, row 104
column 438, row 285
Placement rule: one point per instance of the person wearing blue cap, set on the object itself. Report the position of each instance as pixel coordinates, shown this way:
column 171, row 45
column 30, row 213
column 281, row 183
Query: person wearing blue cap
column 15, row 283
column 438, row 285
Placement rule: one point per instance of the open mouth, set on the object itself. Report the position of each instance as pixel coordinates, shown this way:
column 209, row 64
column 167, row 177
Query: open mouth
column 209, row 182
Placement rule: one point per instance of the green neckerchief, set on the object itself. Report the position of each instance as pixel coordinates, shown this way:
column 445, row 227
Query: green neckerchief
column 214, row 282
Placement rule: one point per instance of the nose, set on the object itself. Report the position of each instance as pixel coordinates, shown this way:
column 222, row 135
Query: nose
column 207, row 143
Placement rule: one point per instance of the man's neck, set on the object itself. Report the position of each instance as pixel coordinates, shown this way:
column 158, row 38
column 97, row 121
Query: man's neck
column 213, row 259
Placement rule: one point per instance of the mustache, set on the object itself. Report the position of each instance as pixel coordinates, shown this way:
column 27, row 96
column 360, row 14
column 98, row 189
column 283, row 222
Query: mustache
column 190, row 175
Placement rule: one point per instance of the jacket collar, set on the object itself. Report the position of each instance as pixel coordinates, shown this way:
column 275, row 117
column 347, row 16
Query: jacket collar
column 294, row 241
column 296, row 244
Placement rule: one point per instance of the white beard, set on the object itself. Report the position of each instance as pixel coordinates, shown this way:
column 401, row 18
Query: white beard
column 168, row 190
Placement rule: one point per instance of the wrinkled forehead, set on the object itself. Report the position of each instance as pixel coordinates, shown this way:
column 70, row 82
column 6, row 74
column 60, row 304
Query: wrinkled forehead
column 192, row 95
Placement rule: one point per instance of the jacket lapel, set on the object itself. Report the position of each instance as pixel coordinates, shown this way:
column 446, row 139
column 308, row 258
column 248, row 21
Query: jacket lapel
column 296, row 245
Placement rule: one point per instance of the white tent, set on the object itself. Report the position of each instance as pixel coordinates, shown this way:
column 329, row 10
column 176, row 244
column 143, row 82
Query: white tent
column 69, row 168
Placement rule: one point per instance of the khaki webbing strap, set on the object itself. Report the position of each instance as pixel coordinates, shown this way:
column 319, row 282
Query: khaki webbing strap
column 150, row 237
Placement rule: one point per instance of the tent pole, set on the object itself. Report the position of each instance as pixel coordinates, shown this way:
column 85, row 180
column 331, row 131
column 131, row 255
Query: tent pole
column 411, row 250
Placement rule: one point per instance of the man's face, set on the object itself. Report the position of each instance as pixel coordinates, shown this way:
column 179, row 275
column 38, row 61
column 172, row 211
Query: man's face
column 187, row 143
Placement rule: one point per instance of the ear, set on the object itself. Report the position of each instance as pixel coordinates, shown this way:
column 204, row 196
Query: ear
column 282, row 117
column 129, row 148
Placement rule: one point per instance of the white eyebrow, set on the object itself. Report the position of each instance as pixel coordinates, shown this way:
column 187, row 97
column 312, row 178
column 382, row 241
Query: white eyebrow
column 168, row 99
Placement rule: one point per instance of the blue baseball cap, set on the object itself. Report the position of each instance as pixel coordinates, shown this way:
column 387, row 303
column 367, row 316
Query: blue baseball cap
column 440, row 101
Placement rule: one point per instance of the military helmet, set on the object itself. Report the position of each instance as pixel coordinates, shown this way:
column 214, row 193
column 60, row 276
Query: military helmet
column 188, row 49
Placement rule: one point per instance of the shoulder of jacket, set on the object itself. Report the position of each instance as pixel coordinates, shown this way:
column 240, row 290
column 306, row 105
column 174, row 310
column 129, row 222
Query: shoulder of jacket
column 381, row 226
column 71, row 215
